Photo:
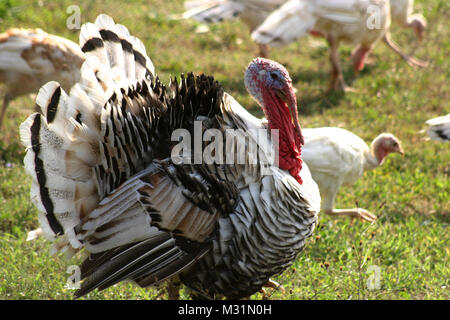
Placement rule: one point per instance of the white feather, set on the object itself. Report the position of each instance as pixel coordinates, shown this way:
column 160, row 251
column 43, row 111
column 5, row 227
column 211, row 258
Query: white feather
column 439, row 128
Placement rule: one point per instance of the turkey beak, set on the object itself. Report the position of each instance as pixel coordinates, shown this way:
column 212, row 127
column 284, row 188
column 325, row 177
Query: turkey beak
column 282, row 95
column 399, row 149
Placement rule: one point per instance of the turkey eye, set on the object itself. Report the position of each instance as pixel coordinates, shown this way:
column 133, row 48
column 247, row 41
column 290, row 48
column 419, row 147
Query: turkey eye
column 274, row 76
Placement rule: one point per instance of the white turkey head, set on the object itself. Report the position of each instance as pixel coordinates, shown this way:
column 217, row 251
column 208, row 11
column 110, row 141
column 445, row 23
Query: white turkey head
column 384, row 144
column 419, row 24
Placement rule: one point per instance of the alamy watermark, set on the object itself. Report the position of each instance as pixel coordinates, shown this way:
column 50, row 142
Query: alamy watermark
column 73, row 22
column 374, row 20
column 374, row 280
column 73, row 282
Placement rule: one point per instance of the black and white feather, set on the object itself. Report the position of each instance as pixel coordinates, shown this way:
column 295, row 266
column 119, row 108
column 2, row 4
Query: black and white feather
column 439, row 128
column 104, row 180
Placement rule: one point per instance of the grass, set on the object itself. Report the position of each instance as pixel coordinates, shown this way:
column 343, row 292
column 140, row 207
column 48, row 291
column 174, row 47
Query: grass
column 409, row 243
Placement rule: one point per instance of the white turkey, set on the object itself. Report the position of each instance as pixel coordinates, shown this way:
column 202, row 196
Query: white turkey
column 336, row 156
column 439, row 128
column 251, row 12
column 402, row 14
column 359, row 22
column 106, row 183
column 29, row 58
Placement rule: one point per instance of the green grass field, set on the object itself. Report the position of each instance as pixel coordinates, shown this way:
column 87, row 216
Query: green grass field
column 408, row 246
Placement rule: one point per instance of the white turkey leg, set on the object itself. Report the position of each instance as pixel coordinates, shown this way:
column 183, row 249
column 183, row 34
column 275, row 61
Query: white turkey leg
column 328, row 199
column 354, row 213
column 6, row 101
column 413, row 62
column 337, row 77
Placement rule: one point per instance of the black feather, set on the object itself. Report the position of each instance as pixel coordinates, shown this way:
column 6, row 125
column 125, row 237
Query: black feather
column 42, row 178
column 92, row 44
column 53, row 105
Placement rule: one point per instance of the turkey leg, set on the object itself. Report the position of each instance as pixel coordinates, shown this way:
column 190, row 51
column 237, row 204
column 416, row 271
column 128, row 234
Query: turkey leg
column 6, row 101
column 336, row 77
column 413, row 62
column 354, row 213
column 173, row 290
column 272, row 284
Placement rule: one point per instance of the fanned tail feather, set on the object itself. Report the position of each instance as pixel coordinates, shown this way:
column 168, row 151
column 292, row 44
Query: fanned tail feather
column 70, row 154
column 96, row 160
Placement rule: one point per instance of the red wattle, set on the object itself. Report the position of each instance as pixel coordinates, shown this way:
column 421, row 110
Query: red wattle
column 289, row 144
column 315, row 33
column 360, row 58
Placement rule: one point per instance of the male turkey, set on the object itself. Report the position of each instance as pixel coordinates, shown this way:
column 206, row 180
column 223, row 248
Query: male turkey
column 336, row 156
column 29, row 58
column 105, row 181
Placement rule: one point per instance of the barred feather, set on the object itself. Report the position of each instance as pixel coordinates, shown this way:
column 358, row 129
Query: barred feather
column 65, row 141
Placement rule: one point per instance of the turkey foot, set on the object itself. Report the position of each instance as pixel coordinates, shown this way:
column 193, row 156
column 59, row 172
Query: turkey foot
column 363, row 214
column 337, row 83
column 336, row 78
column 272, row 284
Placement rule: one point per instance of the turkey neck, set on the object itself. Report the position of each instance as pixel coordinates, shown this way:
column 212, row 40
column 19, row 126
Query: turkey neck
column 375, row 157
column 371, row 161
